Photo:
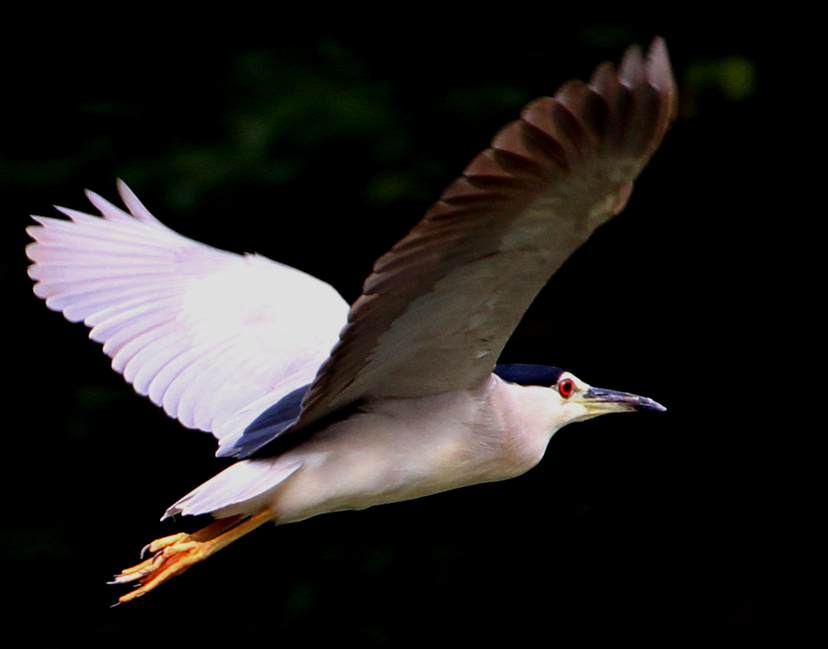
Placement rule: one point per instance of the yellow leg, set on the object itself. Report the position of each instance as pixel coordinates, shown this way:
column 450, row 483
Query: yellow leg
column 174, row 554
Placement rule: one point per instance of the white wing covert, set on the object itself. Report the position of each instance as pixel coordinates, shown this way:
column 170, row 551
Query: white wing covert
column 213, row 337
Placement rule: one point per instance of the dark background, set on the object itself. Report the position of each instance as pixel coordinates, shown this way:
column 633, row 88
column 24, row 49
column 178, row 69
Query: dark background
column 320, row 147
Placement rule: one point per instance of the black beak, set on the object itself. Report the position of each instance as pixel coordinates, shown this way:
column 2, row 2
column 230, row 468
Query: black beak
column 610, row 400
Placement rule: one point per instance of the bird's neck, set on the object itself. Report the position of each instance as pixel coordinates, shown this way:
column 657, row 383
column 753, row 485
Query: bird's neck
column 529, row 420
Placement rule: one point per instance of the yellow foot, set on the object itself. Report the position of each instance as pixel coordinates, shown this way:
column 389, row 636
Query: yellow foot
column 174, row 554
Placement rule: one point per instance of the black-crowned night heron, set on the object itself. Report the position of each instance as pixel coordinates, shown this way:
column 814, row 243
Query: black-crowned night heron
column 329, row 408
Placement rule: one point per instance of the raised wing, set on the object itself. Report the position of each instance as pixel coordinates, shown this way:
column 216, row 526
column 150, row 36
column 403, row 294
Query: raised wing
column 213, row 337
column 440, row 306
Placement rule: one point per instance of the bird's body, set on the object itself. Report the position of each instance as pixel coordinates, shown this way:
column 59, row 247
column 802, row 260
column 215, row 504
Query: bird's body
column 328, row 407
column 389, row 451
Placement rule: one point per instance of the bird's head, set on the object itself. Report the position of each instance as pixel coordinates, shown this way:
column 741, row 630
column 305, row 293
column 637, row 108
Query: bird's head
column 569, row 399
column 579, row 401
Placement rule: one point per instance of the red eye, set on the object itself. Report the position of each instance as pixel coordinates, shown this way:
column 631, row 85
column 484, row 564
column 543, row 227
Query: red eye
column 566, row 387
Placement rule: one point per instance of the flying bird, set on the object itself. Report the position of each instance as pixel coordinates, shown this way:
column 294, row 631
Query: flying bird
column 328, row 407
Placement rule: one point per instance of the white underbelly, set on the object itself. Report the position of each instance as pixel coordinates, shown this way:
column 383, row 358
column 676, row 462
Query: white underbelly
column 396, row 449
column 396, row 454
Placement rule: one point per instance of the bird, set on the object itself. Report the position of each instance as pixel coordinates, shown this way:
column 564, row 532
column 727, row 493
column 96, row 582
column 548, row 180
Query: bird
column 327, row 406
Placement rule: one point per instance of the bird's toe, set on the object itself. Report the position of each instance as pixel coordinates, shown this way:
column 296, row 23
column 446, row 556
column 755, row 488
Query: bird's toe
column 171, row 556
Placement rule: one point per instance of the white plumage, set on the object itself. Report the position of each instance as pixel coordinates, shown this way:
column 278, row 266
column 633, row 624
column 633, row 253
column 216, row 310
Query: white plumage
column 202, row 332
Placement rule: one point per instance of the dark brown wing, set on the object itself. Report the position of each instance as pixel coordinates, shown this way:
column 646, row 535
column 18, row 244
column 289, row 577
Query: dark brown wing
column 439, row 307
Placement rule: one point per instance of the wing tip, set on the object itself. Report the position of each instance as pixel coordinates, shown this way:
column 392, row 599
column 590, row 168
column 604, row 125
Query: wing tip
column 631, row 70
column 133, row 204
column 660, row 75
column 642, row 88
column 655, row 64
column 658, row 61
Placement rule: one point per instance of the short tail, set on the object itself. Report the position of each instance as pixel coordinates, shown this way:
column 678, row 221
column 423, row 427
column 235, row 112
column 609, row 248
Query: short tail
column 243, row 488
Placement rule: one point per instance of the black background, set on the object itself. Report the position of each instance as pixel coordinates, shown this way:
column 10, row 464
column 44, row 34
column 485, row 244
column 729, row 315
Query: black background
column 320, row 147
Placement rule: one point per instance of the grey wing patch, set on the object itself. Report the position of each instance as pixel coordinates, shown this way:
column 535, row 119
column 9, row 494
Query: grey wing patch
column 439, row 307
column 267, row 426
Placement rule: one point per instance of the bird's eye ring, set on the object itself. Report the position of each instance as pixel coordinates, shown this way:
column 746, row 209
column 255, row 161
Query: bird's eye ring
column 566, row 387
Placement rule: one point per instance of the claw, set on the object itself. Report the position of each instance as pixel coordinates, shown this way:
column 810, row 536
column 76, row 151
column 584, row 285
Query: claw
column 164, row 565
column 172, row 555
